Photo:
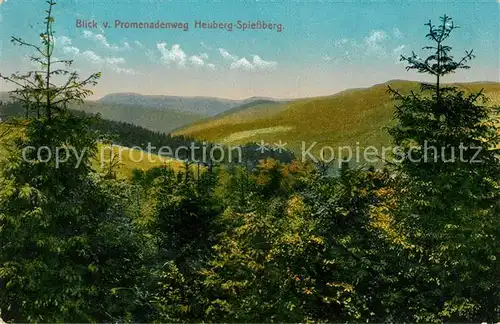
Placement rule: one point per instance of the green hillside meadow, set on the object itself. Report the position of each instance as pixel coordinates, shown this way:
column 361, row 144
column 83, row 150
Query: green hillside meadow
column 344, row 119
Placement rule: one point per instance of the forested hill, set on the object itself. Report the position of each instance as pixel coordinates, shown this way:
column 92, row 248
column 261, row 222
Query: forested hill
column 342, row 119
column 203, row 106
column 134, row 136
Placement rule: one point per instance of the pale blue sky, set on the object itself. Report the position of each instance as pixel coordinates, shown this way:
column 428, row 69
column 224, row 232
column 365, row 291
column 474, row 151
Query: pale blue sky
column 324, row 47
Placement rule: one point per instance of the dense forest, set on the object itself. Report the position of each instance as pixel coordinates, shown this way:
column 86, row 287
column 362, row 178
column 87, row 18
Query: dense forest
column 281, row 241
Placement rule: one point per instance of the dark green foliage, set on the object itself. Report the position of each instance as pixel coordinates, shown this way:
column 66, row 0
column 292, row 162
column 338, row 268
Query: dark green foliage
column 184, row 218
column 184, row 228
column 448, row 202
column 67, row 241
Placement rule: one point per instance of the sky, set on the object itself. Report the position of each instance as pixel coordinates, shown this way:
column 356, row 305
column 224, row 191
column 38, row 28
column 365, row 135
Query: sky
column 315, row 47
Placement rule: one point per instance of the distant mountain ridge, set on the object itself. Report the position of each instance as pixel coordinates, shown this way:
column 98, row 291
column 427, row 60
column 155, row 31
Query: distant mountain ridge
column 344, row 118
column 204, row 106
column 158, row 112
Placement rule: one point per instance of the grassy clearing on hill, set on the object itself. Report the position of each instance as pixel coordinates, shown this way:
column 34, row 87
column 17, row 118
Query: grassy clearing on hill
column 234, row 117
column 129, row 158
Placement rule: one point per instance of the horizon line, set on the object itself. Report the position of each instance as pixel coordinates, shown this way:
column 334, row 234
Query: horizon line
column 286, row 99
column 273, row 98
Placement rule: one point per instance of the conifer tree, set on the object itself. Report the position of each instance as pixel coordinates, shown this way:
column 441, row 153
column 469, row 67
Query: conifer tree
column 448, row 189
column 66, row 240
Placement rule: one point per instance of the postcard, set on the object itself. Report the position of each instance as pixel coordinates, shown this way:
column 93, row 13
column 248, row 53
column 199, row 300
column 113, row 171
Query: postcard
column 249, row 161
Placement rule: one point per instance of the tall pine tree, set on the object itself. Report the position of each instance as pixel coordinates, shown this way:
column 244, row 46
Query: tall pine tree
column 448, row 190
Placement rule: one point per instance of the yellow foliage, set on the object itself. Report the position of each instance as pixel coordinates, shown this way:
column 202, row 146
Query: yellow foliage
column 307, row 291
column 317, row 240
column 295, row 206
column 130, row 159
